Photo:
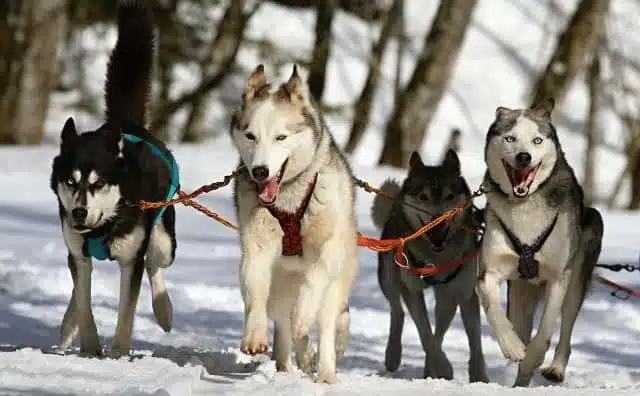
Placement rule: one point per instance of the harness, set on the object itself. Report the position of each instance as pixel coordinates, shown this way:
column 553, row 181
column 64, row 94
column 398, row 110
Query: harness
column 434, row 280
column 96, row 246
column 291, row 223
column 528, row 266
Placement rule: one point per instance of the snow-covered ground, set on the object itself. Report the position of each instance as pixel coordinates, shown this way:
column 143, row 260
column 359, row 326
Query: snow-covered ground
column 508, row 41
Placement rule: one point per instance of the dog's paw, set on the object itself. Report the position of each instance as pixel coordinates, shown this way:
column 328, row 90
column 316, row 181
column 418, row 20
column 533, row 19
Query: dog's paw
column 326, row 377
column 255, row 341
column 535, row 351
column 285, row 367
column 91, row 348
column 116, row 353
column 553, row 374
column 163, row 311
column 437, row 365
column 512, row 346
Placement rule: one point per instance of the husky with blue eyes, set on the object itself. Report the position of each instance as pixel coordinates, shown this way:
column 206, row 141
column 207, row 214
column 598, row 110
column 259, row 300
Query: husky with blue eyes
column 540, row 238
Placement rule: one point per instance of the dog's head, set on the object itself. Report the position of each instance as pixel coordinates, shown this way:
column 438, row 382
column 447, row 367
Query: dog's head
column 522, row 148
column 430, row 191
column 276, row 133
column 85, row 176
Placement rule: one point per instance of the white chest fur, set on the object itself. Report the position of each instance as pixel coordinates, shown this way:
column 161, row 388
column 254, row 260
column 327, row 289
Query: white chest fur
column 528, row 220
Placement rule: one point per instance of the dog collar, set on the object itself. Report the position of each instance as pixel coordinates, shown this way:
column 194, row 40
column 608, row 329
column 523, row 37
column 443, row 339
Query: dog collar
column 96, row 246
column 291, row 223
column 528, row 266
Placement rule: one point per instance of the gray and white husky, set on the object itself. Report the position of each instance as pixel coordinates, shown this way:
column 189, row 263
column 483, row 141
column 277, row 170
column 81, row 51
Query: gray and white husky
column 295, row 206
column 539, row 237
column 426, row 193
column 96, row 177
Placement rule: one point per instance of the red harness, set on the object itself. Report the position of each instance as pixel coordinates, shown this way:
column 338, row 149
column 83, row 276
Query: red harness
column 291, row 223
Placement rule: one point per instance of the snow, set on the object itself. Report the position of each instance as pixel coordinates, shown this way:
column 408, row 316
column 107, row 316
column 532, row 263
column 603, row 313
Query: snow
column 507, row 42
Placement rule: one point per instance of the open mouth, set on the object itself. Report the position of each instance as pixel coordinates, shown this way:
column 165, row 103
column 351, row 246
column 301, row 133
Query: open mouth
column 438, row 234
column 81, row 228
column 520, row 178
column 268, row 191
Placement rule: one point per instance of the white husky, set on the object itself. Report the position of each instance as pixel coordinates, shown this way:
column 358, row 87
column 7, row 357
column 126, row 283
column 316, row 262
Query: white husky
column 295, row 207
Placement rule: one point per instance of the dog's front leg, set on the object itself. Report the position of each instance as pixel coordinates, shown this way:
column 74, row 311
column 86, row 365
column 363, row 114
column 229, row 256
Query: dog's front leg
column 80, row 267
column 90, row 344
column 258, row 257
column 489, row 289
column 130, row 279
column 69, row 329
column 539, row 345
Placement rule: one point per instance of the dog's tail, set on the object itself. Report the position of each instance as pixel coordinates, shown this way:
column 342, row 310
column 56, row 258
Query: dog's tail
column 128, row 83
column 381, row 208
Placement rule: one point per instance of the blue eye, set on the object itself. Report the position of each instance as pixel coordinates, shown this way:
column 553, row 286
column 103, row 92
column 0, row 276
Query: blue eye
column 537, row 140
column 510, row 139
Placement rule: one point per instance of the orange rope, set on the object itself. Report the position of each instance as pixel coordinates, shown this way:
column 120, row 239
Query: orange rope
column 376, row 245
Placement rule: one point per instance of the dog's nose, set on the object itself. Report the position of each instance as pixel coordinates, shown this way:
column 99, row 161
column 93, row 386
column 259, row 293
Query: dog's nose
column 260, row 173
column 79, row 214
column 523, row 159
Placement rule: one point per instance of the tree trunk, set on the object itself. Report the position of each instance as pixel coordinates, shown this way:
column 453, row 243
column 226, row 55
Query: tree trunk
column 362, row 108
column 593, row 130
column 416, row 106
column 322, row 47
column 31, row 32
column 579, row 40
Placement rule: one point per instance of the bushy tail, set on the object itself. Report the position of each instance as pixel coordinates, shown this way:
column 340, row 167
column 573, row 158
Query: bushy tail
column 381, row 208
column 130, row 65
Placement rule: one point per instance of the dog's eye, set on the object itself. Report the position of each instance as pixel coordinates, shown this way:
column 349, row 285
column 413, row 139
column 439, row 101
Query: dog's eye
column 423, row 197
column 99, row 183
column 281, row 137
column 70, row 182
column 537, row 140
column 250, row 136
column 449, row 197
column 510, row 139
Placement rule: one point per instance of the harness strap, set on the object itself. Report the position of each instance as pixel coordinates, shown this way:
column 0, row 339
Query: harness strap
column 96, row 246
column 528, row 266
column 291, row 223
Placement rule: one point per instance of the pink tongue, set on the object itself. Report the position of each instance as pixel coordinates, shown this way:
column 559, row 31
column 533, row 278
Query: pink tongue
column 269, row 190
column 524, row 184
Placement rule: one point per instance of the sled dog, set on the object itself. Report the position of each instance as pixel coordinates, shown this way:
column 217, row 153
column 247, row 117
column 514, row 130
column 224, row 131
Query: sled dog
column 99, row 175
column 295, row 205
column 426, row 193
column 539, row 237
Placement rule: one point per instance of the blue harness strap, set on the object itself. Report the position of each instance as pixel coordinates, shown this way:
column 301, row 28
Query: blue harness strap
column 96, row 246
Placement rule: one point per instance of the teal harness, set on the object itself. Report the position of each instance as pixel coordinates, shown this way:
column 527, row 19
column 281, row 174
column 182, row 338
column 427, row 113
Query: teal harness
column 96, row 246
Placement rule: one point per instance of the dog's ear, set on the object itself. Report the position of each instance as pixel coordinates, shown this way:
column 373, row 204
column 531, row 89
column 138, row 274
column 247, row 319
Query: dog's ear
column 295, row 90
column 544, row 107
column 69, row 134
column 415, row 162
column 504, row 112
column 255, row 84
column 451, row 162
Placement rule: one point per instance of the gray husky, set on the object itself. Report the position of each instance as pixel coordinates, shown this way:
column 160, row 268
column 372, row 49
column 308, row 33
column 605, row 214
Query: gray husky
column 426, row 193
column 539, row 237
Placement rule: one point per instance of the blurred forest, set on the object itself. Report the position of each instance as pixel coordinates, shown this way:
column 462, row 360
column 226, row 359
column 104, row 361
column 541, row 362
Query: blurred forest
column 40, row 43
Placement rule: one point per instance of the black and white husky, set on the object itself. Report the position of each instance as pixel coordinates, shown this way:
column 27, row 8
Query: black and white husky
column 99, row 175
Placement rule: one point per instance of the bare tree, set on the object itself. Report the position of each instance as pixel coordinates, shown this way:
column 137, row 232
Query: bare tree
column 362, row 108
column 418, row 103
column 596, row 93
column 325, row 13
column 229, row 37
column 573, row 48
column 30, row 32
